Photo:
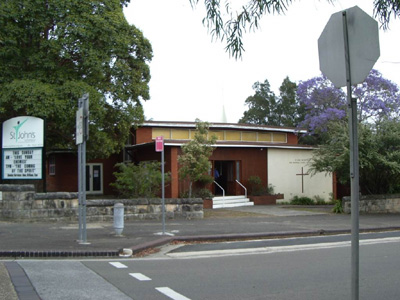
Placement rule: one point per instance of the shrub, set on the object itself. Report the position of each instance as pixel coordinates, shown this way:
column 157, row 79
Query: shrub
column 302, row 201
column 203, row 193
column 319, row 200
column 143, row 180
column 256, row 187
column 337, row 208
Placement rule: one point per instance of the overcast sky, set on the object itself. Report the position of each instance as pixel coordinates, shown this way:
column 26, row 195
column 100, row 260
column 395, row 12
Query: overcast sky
column 193, row 77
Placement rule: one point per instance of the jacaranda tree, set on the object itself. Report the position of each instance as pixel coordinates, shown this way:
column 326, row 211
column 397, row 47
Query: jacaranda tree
column 378, row 101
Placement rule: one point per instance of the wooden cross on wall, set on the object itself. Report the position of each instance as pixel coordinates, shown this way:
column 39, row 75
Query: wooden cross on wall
column 302, row 174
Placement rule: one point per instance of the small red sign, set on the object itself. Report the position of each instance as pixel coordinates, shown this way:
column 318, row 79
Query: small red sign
column 159, row 144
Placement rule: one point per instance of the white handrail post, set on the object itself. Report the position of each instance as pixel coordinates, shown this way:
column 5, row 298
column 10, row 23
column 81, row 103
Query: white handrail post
column 245, row 190
column 223, row 193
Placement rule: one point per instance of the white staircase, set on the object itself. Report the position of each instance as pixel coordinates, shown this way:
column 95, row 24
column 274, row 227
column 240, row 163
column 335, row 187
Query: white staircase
column 231, row 201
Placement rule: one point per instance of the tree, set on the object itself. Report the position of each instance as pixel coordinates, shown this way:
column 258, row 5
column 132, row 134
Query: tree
column 194, row 161
column 289, row 111
column 229, row 24
column 54, row 51
column 268, row 109
column 377, row 99
column 379, row 156
column 261, row 105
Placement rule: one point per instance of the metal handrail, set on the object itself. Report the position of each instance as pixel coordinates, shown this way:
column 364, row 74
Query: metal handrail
column 245, row 190
column 223, row 193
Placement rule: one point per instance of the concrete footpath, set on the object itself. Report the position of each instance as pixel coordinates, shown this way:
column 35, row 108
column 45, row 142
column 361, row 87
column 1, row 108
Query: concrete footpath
column 59, row 240
column 49, row 239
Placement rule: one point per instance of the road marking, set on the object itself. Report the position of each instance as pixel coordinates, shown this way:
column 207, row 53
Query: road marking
column 171, row 293
column 279, row 249
column 118, row 265
column 140, row 276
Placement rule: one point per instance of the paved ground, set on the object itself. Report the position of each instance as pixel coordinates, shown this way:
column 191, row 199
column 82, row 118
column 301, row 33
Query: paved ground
column 41, row 239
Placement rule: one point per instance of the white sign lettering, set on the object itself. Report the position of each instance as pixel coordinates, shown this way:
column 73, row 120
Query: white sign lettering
column 22, row 163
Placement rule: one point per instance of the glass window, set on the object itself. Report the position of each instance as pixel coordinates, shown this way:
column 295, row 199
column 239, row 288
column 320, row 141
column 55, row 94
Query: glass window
column 165, row 132
column 233, row 135
column 180, row 134
column 52, row 165
column 264, row 137
column 279, row 137
column 249, row 136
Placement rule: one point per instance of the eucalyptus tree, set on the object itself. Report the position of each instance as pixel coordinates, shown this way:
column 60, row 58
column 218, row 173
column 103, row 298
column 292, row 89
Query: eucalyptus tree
column 227, row 23
column 266, row 108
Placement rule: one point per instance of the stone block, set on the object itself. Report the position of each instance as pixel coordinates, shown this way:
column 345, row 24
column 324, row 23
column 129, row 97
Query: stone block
column 17, row 187
column 49, row 204
column 39, row 213
column 37, row 204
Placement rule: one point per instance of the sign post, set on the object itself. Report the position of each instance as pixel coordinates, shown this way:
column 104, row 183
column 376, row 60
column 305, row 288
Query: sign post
column 160, row 148
column 348, row 49
column 82, row 135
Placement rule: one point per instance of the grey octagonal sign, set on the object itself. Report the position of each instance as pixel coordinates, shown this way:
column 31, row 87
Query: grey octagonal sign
column 363, row 38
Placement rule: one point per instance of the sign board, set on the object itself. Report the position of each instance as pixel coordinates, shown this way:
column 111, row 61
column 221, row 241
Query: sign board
column 22, row 163
column 363, row 43
column 79, row 126
column 23, row 132
column 159, row 144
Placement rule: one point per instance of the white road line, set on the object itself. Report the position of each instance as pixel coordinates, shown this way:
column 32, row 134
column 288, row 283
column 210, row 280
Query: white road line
column 140, row 276
column 264, row 250
column 118, row 265
column 171, row 293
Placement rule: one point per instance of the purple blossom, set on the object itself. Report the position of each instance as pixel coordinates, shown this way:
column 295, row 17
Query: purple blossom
column 378, row 98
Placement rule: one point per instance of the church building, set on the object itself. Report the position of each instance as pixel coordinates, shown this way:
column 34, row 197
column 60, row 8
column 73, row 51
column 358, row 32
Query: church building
column 241, row 151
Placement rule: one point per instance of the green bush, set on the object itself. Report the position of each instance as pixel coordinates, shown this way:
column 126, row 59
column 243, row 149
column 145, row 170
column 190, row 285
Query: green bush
column 302, row 201
column 256, row 187
column 143, row 180
column 203, row 193
column 319, row 200
column 337, row 208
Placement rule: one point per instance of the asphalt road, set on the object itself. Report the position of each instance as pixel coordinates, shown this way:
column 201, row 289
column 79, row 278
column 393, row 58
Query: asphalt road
column 316, row 269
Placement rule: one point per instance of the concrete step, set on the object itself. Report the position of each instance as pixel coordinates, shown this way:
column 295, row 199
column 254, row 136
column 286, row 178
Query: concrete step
column 227, row 205
column 231, row 201
column 218, row 198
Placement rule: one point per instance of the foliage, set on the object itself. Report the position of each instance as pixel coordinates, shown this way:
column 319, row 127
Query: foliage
column 337, row 208
column 202, row 193
column 143, row 180
column 53, row 52
column 257, row 188
column 302, row 201
column 379, row 156
column 377, row 99
column 323, row 103
column 229, row 24
column 265, row 108
column 194, row 161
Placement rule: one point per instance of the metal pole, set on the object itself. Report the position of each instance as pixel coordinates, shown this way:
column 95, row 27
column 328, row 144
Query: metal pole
column 84, row 235
column 80, row 179
column 85, row 138
column 163, row 191
column 354, row 171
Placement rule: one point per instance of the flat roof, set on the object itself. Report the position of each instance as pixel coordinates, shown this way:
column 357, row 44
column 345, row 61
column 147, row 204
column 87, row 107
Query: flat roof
column 221, row 126
column 228, row 144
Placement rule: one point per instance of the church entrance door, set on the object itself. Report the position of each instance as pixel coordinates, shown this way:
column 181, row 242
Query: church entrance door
column 225, row 172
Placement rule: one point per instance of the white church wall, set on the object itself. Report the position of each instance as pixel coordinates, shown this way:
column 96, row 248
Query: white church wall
column 285, row 173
